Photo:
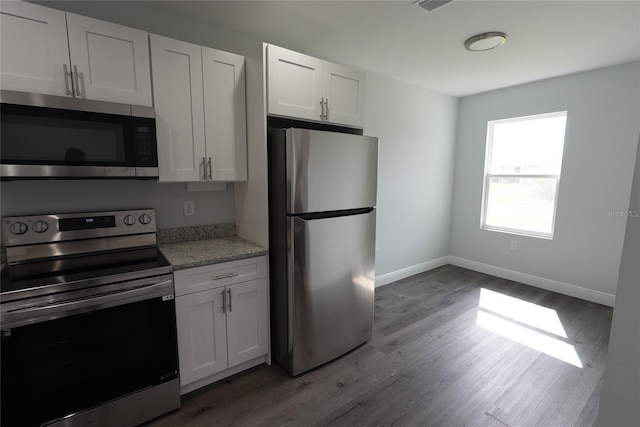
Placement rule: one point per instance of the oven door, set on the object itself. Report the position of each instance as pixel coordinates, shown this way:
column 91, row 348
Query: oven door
column 70, row 361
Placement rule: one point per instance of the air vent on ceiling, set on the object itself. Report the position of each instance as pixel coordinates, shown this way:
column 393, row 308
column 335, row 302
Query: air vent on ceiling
column 431, row 5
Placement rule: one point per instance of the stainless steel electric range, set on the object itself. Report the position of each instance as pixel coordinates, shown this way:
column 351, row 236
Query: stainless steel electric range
column 88, row 323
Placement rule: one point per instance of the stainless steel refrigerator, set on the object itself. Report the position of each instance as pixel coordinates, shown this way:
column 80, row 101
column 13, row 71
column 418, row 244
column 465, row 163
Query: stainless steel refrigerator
column 322, row 198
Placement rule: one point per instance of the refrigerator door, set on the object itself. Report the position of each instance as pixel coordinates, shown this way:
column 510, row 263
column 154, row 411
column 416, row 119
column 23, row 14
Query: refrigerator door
column 331, row 287
column 329, row 171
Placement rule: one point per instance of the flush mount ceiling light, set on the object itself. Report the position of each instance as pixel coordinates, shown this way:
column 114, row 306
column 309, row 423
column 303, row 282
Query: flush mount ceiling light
column 485, row 41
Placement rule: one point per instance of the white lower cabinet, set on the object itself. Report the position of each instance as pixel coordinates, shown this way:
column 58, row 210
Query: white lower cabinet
column 222, row 326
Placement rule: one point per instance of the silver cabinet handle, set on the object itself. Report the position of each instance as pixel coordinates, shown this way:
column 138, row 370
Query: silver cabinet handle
column 77, row 81
column 229, row 290
column 224, row 301
column 321, row 108
column 68, row 76
column 326, row 108
column 225, row 276
column 210, row 178
column 204, row 168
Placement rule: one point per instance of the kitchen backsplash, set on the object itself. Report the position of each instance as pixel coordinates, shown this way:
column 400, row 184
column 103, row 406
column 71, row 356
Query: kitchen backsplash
column 199, row 232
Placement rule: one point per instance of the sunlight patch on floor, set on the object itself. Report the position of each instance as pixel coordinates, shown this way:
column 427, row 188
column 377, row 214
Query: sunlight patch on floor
column 510, row 318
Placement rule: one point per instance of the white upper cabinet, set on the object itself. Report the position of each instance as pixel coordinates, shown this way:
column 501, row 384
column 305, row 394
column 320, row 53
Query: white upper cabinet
column 52, row 52
column 199, row 97
column 110, row 62
column 344, row 94
column 225, row 114
column 178, row 96
column 33, row 48
column 294, row 84
column 308, row 88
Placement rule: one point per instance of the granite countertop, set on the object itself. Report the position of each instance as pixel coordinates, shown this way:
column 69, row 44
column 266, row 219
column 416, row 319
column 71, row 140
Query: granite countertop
column 213, row 250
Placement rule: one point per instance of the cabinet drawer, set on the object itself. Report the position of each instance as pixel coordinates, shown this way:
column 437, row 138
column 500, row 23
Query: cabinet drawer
column 218, row 275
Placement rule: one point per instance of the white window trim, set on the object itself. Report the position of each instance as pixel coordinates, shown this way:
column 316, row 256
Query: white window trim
column 488, row 176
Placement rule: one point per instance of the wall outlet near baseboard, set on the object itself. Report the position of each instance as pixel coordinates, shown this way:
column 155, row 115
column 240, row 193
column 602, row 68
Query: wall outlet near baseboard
column 189, row 208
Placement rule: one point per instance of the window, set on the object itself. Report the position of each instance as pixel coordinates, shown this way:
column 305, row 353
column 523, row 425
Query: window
column 522, row 174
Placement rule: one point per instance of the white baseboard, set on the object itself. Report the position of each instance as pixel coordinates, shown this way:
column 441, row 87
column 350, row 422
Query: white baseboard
column 538, row 282
column 385, row 279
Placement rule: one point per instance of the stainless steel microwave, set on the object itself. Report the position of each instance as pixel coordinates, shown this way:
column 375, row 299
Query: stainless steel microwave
column 46, row 136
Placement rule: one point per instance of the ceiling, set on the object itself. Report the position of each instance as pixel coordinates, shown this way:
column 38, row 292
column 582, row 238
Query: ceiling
column 400, row 40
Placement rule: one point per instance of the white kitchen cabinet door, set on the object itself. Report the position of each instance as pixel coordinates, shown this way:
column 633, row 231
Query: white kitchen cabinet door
column 111, row 61
column 294, row 84
column 178, row 96
column 201, row 327
column 247, row 321
column 33, row 49
column 225, row 115
column 343, row 88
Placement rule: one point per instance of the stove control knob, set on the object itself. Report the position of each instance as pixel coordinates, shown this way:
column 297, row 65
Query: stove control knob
column 18, row 228
column 129, row 220
column 145, row 219
column 40, row 226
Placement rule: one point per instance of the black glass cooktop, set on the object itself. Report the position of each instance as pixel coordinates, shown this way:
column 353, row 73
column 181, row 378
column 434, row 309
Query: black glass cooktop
column 80, row 271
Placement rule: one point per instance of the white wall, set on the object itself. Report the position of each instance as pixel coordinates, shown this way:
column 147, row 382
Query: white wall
column 600, row 147
column 416, row 131
column 620, row 396
column 45, row 197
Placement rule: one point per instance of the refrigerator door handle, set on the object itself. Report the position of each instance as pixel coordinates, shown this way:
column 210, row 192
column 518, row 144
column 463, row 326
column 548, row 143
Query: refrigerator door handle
column 333, row 214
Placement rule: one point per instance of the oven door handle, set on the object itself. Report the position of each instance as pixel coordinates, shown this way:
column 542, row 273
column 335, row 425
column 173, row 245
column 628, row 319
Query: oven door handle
column 30, row 315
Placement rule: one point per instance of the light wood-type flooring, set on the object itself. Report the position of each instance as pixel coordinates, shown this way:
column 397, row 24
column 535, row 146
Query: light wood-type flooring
column 439, row 357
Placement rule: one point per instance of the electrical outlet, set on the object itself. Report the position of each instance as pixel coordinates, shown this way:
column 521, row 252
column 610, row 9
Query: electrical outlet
column 189, row 208
column 513, row 245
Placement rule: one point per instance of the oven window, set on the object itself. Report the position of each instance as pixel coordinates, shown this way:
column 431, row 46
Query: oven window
column 36, row 135
column 63, row 366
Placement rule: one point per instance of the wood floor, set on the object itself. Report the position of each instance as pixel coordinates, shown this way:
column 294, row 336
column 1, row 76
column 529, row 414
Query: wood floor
column 431, row 364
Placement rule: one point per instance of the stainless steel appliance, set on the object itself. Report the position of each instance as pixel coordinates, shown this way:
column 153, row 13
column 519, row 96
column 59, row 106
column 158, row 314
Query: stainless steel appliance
column 322, row 244
column 88, row 321
column 46, row 136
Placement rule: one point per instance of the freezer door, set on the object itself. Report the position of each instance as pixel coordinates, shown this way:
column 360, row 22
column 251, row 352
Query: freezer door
column 330, row 171
column 331, row 287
